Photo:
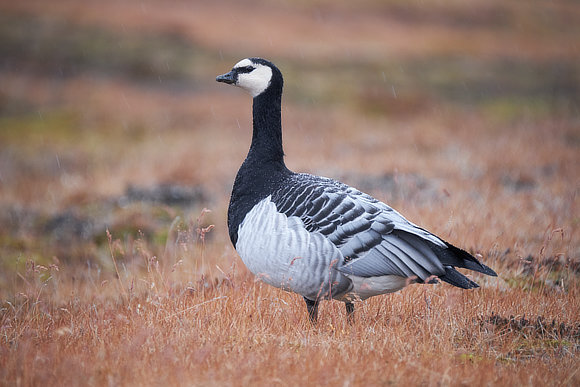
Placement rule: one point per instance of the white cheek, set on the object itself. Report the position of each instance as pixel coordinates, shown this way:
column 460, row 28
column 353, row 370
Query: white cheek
column 257, row 81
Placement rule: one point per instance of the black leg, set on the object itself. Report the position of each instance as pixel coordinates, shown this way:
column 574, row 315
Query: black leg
column 349, row 311
column 312, row 307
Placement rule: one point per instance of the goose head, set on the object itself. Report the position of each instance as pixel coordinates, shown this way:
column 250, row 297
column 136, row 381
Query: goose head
column 255, row 75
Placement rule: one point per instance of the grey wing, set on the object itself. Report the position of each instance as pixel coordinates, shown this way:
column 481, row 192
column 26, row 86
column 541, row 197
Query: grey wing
column 374, row 239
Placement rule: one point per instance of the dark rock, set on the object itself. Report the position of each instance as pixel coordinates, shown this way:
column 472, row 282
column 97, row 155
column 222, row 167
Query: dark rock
column 169, row 194
column 400, row 186
column 68, row 227
column 518, row 182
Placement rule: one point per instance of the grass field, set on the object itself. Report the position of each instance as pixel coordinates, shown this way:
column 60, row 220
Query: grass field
column 118, row 151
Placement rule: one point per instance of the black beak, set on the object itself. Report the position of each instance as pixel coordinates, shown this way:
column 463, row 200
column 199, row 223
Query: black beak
column 229, row 78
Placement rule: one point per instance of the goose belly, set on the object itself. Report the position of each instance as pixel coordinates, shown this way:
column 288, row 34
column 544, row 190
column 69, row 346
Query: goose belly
column 365, row 287
column 281, row 252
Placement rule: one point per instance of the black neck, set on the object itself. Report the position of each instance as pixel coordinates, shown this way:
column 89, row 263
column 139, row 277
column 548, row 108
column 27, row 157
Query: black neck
column 264, row 170
column 267, row 134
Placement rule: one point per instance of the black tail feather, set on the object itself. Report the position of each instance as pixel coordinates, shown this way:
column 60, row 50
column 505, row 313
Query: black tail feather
column 454, row 256
column 455, row 278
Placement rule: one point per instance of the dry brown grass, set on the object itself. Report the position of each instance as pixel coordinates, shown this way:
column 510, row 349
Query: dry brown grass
column 462, row 116
column 202, row 323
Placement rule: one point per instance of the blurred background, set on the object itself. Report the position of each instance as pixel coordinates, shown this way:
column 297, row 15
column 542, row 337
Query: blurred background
column 463, row 115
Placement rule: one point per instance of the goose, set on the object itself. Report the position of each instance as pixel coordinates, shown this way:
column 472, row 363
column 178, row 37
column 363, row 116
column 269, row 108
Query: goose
column 318, row 237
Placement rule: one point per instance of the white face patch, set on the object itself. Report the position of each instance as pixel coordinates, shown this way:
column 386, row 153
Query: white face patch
column 255, row 81
column 243, row 63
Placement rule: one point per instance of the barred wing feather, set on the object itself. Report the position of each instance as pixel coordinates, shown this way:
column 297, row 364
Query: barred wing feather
column 374, row 239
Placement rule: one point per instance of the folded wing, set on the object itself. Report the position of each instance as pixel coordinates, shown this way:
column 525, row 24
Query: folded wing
column 374, row 239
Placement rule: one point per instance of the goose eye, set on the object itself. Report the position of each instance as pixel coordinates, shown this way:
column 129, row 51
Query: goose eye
column 245, row 69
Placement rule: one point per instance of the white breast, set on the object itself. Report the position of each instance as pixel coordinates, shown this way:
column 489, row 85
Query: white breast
column 281, row 252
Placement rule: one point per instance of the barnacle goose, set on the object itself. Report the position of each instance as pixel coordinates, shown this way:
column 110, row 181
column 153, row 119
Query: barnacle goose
column 316, row 236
